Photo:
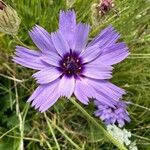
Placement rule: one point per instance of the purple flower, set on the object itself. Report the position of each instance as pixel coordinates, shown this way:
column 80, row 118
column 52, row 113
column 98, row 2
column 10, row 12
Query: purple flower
column 67, row 65
column 111, row 115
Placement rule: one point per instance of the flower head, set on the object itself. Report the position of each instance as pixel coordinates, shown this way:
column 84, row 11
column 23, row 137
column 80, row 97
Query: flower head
column 123, row 135
column 104, row 6
column 9, row 20
column 112, row 115
column 68, row 65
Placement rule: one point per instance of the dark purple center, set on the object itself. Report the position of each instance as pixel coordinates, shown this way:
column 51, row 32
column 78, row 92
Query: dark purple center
column 71, row 64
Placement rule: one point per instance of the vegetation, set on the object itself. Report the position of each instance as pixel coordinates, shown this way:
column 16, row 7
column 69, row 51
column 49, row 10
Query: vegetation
column 64, row 126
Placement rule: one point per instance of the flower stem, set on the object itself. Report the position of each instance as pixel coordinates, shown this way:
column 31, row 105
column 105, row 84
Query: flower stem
column 62, row 132
column 51, row 130
column 21, row 123
column 108, row 135
column 17, row 39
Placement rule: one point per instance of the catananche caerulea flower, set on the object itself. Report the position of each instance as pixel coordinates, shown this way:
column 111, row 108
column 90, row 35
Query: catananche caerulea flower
column 67, row 65
column 112, row 115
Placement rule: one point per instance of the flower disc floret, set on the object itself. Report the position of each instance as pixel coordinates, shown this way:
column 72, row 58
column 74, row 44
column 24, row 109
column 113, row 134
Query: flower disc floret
column 71, row 64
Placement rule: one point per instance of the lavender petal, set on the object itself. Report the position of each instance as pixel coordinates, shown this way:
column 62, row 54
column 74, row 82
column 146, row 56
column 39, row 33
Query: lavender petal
column 67, row 25
column 42, row 39
column 47, row 75
column 66, row 86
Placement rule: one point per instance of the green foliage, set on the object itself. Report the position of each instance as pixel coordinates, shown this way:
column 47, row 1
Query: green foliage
column 132, row 21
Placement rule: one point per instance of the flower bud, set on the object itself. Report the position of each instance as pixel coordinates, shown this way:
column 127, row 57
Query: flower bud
column 9, row 20
column 104, row 6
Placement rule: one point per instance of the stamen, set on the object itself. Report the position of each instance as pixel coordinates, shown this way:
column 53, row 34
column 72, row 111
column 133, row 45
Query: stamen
column 71, row 64
column 77, row 60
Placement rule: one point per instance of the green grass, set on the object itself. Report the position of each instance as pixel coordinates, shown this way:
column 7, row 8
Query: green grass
column 16, row 84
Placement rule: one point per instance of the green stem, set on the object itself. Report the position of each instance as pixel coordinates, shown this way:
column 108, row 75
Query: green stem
column 108, row 135
column 21, row 123
column 67, row 137
column 49, row 146
column 51, row 130
column 63, row 133
column 19, row 41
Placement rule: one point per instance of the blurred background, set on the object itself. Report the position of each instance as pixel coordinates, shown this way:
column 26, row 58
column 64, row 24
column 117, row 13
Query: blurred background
column 63, row 124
